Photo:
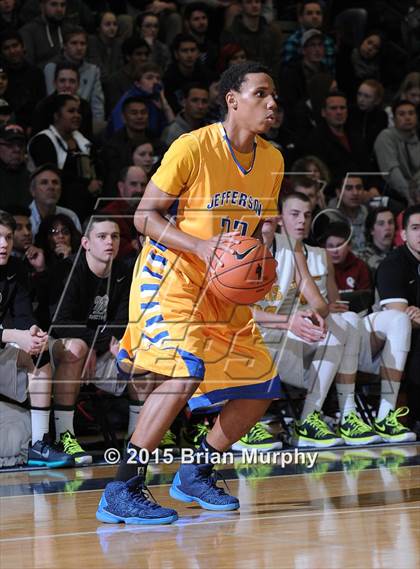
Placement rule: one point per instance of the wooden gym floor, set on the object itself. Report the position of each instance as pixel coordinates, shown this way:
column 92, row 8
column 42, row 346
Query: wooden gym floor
column 356, row 508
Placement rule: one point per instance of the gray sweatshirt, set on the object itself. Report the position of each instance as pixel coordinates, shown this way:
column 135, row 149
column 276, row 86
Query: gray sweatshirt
column 90, row 86
column 175, row 129
column 43, row 41
column 399, row 154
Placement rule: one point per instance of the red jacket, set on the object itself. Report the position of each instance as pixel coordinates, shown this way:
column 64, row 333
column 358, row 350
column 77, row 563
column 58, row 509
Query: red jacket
column 125, row 219
column 352, row 274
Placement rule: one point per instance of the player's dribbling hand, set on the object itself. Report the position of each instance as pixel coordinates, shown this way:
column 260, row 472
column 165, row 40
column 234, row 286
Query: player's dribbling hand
column 207, row 249
column 308, row 325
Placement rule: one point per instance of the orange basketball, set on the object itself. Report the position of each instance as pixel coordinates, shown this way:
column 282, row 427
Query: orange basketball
column 247, row 275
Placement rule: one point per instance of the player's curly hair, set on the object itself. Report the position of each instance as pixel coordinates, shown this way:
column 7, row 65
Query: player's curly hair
column 234, row 76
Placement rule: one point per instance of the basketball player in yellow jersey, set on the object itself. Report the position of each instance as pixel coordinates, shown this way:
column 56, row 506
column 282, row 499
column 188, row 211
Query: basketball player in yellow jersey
column 222, row 180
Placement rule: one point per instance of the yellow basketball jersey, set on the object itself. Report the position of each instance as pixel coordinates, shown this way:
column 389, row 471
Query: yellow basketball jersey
column 175, row 327
column 219, row 189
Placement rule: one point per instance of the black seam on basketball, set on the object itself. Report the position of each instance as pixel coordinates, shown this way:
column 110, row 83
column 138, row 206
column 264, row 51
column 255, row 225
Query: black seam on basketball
column 216, row 276
column 219, row 291
column 244, row 264
column 216, row 281
column 220, row 287
column 247, row 303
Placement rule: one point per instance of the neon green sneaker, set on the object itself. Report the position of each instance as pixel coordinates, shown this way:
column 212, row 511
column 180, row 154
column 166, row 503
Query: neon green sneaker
column 354, row 431
column 70, row 445
column 314, row 432
column 391, row 430
column 168, row 442
column 192, row 435
column 258, row 438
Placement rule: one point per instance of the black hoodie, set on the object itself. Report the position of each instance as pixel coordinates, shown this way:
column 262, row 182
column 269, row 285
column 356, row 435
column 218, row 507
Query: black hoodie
column 91, row 308
column 15, row 302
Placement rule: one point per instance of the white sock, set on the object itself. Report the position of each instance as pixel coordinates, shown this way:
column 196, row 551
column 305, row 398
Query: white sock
column 323, row 367
column 40, row 422
column 345, row 396
column 389, row 395
column 63, row 422
column 309, row 407
column 134, row 412
column 350, row 358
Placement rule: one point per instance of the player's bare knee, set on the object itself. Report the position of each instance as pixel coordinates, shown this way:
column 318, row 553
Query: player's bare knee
column 70, row 351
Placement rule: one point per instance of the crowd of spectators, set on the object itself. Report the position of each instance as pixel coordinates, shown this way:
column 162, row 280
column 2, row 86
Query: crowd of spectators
column 93, row 93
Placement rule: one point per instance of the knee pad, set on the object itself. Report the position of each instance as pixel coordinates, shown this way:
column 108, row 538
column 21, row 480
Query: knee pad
column 394, row 327
column 391, row 325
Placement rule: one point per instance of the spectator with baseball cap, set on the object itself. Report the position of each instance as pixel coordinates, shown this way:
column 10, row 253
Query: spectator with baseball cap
column 310, row 15
column 6, row 112
column 295, row 77
column 14, row 176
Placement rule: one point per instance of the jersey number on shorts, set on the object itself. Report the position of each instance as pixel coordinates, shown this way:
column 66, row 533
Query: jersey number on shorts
column 241, row 226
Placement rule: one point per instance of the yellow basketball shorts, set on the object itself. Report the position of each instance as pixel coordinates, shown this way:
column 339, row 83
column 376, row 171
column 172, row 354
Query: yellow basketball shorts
column 177, row 329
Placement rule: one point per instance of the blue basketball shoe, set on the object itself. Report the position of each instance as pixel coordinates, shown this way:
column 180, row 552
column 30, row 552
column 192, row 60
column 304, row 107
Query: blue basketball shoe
column 42, row 453
column 197, row 483
column 127, row 502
